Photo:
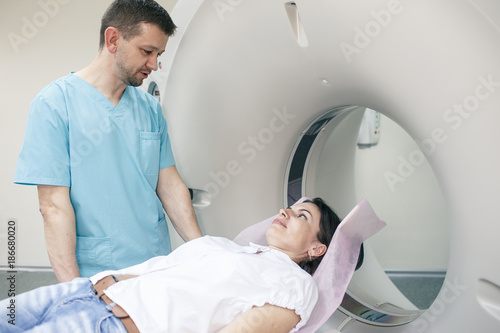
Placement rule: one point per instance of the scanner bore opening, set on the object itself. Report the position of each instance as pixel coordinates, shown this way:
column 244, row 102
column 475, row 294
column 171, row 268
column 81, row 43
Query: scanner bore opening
column 302, row 171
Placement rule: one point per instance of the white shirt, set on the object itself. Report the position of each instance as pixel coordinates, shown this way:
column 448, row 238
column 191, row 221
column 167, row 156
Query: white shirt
column 206, row 283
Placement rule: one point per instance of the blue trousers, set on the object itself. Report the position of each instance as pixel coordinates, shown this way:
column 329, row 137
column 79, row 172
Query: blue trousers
column 65, row 307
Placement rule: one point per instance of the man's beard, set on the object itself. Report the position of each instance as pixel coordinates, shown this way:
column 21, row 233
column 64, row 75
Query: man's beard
column 127, row 75
column 128, row 78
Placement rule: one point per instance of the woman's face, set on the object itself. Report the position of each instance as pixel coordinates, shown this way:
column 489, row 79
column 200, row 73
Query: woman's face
column 295, row 231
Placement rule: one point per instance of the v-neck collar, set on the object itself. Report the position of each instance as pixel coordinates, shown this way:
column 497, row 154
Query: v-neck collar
column 99, row 97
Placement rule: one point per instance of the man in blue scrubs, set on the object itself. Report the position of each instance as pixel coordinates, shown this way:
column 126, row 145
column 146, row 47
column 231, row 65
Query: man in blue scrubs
column 98, row 149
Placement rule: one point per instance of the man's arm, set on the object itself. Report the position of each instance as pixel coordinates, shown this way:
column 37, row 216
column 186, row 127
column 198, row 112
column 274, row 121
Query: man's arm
column 60, row 230
column 176, row 201
column 267, row 318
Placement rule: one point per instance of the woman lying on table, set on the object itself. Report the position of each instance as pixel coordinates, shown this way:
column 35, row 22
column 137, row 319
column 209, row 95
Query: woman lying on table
column 209, row 284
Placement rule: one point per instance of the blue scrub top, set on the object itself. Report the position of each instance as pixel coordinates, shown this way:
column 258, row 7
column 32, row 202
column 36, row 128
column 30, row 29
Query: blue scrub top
column 110, row 158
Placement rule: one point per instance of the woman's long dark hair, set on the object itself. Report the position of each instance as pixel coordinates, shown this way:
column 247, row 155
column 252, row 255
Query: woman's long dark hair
column 328, row 223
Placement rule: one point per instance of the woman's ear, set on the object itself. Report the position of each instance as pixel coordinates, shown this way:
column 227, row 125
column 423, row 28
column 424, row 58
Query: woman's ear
column 317, row 249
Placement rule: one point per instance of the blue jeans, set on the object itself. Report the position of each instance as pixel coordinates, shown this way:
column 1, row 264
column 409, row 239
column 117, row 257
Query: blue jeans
column 65, row 307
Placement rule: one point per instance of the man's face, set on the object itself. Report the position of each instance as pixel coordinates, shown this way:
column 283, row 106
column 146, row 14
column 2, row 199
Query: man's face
column 138, row 57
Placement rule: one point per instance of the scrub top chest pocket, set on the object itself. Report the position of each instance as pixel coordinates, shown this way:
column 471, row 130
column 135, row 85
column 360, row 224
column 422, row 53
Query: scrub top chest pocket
column 150, row 143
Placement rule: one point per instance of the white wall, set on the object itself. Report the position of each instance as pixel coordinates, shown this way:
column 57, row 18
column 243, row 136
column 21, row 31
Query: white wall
column 54, row 38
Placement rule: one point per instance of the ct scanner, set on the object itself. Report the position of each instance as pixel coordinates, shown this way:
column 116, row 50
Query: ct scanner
column 255, row 91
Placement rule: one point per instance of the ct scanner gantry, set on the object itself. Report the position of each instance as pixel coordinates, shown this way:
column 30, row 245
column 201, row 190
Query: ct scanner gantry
column 253, row 90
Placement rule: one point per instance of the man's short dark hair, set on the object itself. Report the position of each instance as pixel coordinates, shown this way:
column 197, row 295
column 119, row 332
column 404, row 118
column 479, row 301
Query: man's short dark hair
column 127, row 16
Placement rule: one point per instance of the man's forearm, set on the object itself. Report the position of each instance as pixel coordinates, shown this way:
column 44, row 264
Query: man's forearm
column 176, row 201
column 181, row 213
column 60, row 231
column 61, row 244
